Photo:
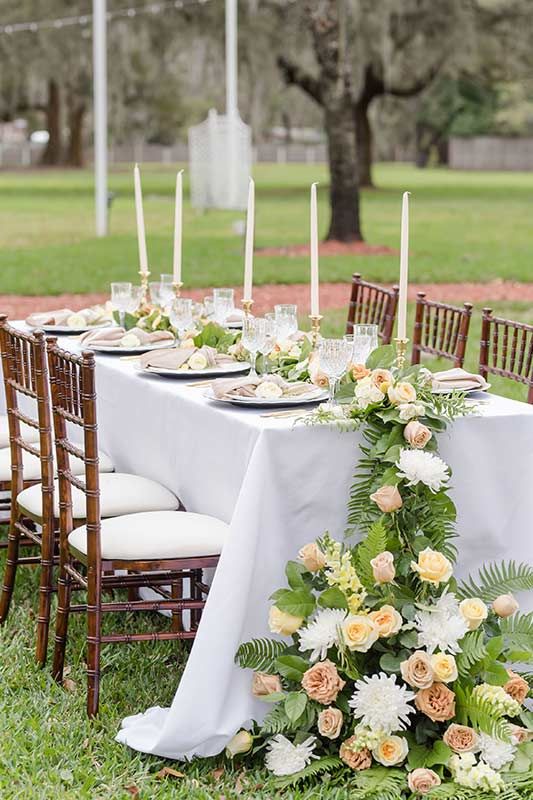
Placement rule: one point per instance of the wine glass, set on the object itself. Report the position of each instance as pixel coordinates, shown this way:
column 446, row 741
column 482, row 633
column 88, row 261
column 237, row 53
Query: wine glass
column 270, row 338
column 334, row 358
column 223, row 304
column 209, row 307
column 166, row 278
column 121, row 299
column 286, row 320
column 364, row 339
column 254, row 335
column 135, row 299
column 180, row 315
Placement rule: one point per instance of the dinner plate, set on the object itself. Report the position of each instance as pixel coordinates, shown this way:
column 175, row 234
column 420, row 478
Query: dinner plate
column 208, row 372
column 315, row 396
column 143, row 348
column 65, row 329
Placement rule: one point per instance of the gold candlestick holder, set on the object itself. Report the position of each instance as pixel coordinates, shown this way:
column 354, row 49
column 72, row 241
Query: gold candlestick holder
column 401, row 349
column 315, row 329
column 177, row 288
column 247, row 306
column 144, row 306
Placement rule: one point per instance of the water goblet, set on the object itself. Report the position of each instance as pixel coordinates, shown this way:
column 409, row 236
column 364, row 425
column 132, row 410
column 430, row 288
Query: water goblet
column 286, row 320
column 135, row 299
column 223, row 304
column 166, row 278
column 269, row 341
column 334, row 358
column 166, row 294
column 121, row 299
column 209, row 308
column 365, row 339
column 180, row 315
column 254, row 334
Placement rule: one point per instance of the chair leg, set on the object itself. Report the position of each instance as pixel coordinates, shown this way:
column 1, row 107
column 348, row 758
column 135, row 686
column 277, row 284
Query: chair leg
column 94, row 600
column 196, row 594
column 45, row 591
column 63, row 609
column 10, row 570
column 176, row 590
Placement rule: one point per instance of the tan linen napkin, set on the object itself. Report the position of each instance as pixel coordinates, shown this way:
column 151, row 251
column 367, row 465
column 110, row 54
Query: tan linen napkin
column 245, row 387
column 40, row 318
column 111, row 337
column 173, row 358
column 458, row 378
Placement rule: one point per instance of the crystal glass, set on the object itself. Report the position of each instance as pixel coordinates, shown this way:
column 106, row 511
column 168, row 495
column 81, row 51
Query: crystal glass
column 364, row 339
column 135, row 299
column 254, row 335
column 155, row 292
column 286, row 316
column 180, row 315
column 209, row 308
column 121, row 299
column 166, row 278
column 223, row 304
column 166, row 294
column 334, row 358
column 270, row 338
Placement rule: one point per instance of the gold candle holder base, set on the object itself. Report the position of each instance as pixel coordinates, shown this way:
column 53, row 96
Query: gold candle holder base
column 315, row 329
column 177, row 288
column 401, row 349
column 144, row 306
column 247, row 306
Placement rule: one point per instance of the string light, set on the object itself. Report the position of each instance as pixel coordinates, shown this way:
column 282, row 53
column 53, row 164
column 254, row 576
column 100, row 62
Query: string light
column 85, row 19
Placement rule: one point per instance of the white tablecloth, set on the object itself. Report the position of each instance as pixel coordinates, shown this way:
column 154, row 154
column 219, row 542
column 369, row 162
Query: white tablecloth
column 279, row 486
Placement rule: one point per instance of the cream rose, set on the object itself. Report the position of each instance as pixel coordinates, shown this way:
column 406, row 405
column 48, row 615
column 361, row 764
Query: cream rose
column 422, row 780
column 382, row 379
column 520, row 735
column 516, row 687
column 330, row 723
column 403, row 392
column 283, row 623
column 198, row 361
column 474, row 612
column 317, row 377
column 383, row 567
column 417, row 670
column 359, row 633
column 432, row 567
column 437, row 702
column 242, row 742
column 264, row 684
column 76, row 321
column 388, row 620
column 387, row 499
column 130, row 340
column 505, row 605
column 359, row 371
column 187, row 344
column 407, row 411
column 416, row 434
column 355, row 759
column 444, row 667
column 312, row 557
column 322, row 682
column 391, row 751
column 461, row 739
column 267, row 390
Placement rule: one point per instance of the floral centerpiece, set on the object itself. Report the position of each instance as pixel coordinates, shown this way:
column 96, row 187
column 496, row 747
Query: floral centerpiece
column 386, row 672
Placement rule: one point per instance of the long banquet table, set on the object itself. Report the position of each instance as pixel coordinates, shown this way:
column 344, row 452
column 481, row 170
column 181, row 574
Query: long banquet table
column 279, row 485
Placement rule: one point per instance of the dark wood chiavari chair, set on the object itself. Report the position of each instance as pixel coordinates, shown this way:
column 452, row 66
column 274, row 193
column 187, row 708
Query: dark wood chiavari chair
column 371, row 304
column 440, row 330
column 155, row 548
column 25, row 375
column 506, row 349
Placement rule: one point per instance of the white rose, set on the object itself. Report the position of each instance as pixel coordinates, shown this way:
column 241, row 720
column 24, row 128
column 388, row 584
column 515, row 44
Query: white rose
column 242, row 742
column 410, row 411
column 76, row 321
column 366, row 392
column 295, row 351
column 130, row 340
column 188, row 344
column 197, row 361
column 268, row 390
column 403, row 392
column 391, row 751
column 474, row 612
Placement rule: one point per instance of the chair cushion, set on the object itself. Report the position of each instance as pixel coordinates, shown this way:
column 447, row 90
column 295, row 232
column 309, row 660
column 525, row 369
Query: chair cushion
column 29, row 434
column 156, row 535
column 119, row 494
column 32, row 465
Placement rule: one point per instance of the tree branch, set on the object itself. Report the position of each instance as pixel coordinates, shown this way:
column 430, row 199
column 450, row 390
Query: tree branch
column 296, row 76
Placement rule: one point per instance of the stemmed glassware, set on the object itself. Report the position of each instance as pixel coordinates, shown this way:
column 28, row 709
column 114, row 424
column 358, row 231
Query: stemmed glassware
column 180, row 315
column 223, row 304
column 254, row 337
column 286, row 320
column 334, row 358
column 364, row 339
column 269, row 340
column 121, row 298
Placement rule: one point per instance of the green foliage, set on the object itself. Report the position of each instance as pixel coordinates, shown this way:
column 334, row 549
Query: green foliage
column 298, row 602
column 260, row 654
column 313, row 770
column 517, row 632
column 479, row 713
column 378, row 783
column 332, row 597
column 473, row 650
column 295, row 704
column 498, row 578
column 291, row 667
column 276, row 721
column 216, row 336
column 374, row 543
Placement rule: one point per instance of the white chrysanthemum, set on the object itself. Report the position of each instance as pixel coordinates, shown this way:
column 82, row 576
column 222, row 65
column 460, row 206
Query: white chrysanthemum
column 381, row 704
column 322, row 632
column 443, row 627
column 418, row 466
column 285, row 758
column 494, row 752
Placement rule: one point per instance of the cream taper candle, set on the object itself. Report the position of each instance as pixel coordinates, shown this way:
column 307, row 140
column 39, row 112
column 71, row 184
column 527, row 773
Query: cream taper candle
column 404, row 268
column 178, row 218
column 315, row 306
column 141, row 236
column 249, row 243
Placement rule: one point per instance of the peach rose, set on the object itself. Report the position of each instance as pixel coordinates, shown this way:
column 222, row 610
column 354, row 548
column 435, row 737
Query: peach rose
column 422, row 780
column 474, row 612
column 359, row 633
column 387, row 499
column 520, row 735
column 432, row 567
column 516, row 687
column 437, row 702
column 416, row 434
column 312, row 557
column 283, row 623
column 403, row 392
column 382, row 379
column 317, row 377
column 322, row 682
column 383, row 567
column 355, row 759
column 417, row 670
column 461, row 739
column 388, row 620
column 264, row 684
column 330, row 722
column 391, row 750
column 359, row 371
column 444, row 667
column 505, row 605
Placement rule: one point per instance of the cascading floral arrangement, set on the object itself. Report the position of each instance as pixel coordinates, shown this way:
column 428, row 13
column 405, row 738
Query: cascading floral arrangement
column 390, row 675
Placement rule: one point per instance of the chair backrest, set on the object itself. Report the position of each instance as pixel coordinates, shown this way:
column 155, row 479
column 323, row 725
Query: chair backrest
column 440, row 330
column 26, row 376
column 371, row 304
column 506, row 349
column 72, row 385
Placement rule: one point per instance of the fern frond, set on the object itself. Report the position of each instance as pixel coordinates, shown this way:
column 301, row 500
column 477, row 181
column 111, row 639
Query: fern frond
column 260, row 654
column 276, row 721
column 481, row 714
column 380, row 783
column 374, row 543
column 498, row 578
column 473, row 650
column 326, row 764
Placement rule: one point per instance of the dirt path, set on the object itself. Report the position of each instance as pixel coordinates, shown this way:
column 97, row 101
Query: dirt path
column 332, row 295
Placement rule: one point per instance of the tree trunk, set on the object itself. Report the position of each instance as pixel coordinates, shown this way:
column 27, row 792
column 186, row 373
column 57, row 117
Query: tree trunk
column 363, row 137
column 344, row 190
column 53, row 151
column 75, row 152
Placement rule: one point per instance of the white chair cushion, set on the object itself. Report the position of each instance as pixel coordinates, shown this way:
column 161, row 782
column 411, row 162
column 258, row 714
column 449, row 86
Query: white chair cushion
column 156, row 535
column 29, row 434
column 32, row 465
column 119, row 494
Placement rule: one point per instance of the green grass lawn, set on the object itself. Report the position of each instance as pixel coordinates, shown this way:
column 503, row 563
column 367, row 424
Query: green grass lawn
column 464, row 226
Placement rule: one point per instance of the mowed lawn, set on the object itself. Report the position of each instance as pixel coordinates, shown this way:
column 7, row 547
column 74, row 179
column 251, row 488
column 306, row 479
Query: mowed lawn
column 464, row 226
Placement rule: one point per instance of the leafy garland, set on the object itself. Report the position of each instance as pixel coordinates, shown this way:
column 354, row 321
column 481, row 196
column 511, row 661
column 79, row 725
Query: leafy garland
column 391, row 678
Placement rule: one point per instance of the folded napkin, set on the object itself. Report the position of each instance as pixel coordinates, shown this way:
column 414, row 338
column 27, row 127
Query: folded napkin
column 457, row 378
column 235, row 316
column 176, row 357
column 86, row 316
column 113, row 336
column 245, row 387
column 40, row 318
